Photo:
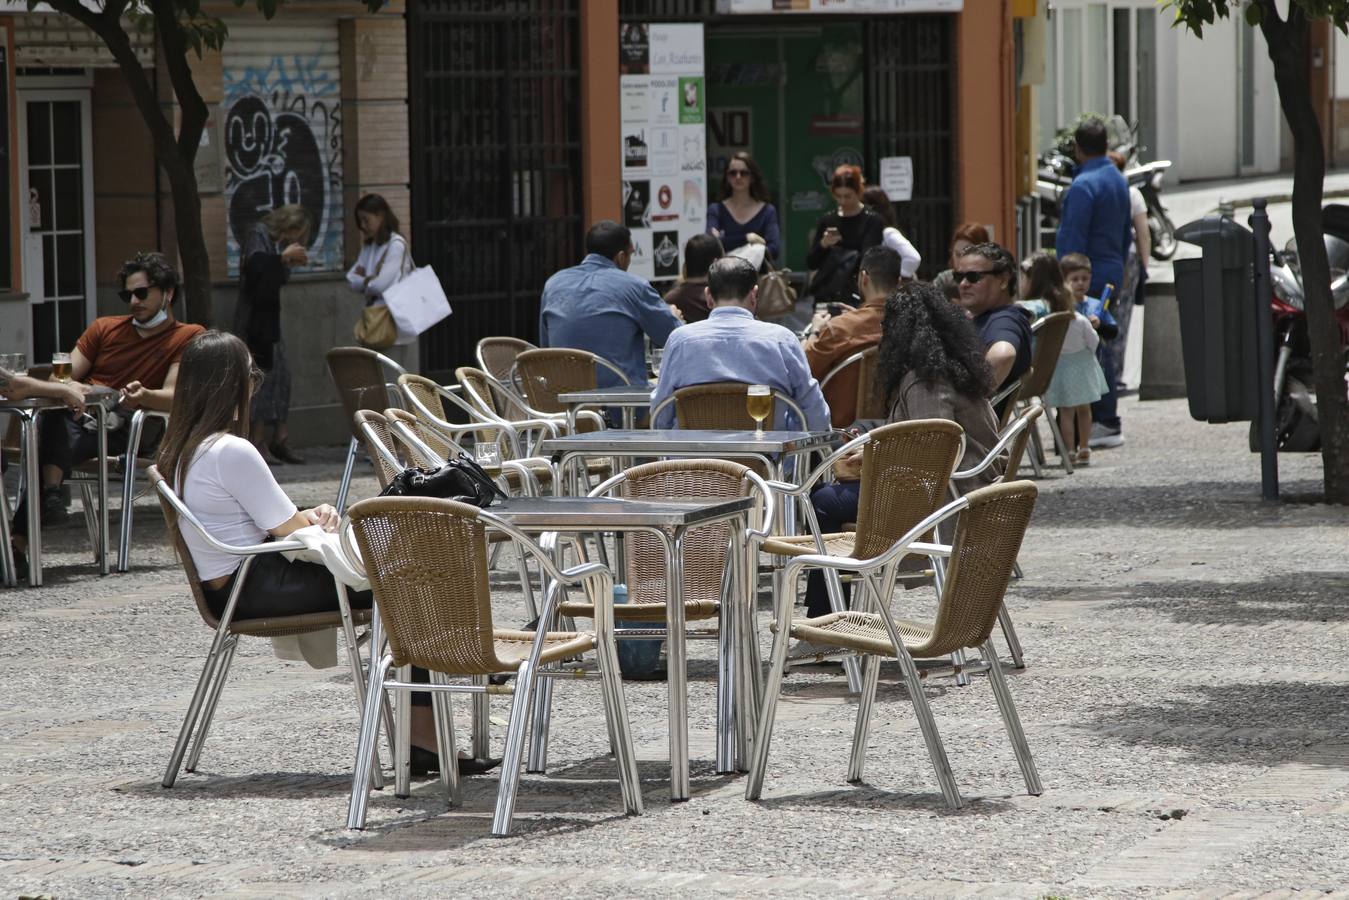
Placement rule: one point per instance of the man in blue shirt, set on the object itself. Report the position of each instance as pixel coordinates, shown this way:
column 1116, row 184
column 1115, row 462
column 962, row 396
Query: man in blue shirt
column 1095, row 219
column 732, row 345
column 598, row 306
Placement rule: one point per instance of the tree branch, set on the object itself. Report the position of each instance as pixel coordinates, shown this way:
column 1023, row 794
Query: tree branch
column 192, row 108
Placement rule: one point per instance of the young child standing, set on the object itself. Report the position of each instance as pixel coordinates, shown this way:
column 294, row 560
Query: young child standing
column 1078, row 379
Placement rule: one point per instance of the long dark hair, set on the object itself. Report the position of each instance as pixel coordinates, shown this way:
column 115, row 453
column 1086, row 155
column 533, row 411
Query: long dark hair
column 757, row 189
column 374, row 204
column 927, row 334
column 215, row 384
column 1046, row 282
column 878, row 201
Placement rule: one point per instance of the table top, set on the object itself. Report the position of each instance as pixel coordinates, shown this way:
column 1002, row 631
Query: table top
column 655, row 443
column 618, row 395
column 104, row 396
column 564, row 513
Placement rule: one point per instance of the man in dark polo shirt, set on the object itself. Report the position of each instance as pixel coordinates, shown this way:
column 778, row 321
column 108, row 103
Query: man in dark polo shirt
column 986, row 275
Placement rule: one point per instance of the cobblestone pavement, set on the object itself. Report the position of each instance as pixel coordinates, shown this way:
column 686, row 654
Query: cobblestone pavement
column 1184, row 703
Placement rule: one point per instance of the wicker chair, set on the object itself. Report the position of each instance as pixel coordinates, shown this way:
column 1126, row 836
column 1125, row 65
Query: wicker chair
column 709, row 570
column 364, row 380
column 720, row 405
column 427, row 563
column 1049, row 333
column 988, row 532
column 859, row 368
column 228, row 630
column 544, row 374
column 906, row 467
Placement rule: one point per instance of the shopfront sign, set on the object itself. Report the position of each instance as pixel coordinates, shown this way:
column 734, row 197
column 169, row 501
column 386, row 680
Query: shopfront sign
column 762, row 7
column 663, row 111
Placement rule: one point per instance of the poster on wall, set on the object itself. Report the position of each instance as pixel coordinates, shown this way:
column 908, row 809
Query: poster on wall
column 282, row 142
column 663, row 116
column 760, row 7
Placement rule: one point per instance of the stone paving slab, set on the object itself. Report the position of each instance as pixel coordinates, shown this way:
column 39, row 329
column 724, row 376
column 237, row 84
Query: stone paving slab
column 1184, row 703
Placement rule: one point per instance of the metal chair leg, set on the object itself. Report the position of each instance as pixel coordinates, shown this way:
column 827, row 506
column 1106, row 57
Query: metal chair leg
column 515, row 746
column 365, row 746
column 851, row 667
column 616, row 712
column 871, row 670
column 1012, row 721
column 402, row 742
column 345, row 485
column 208, row 713
column 357, row 671
column 928, row 725
column 768, row 709
column 1037, row 454
column 448, row 750
column 1061, row 443
column 90, row 516
column 1009, row 632
column 482, row 721
column 194, row 709
column 959, row 662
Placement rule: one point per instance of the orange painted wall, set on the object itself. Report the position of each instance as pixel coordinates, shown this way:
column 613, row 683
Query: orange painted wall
column 601, row 146
column 12, row 153
column 986, row 91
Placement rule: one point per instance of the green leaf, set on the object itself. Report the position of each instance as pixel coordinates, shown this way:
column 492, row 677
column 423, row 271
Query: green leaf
column 1255, row 14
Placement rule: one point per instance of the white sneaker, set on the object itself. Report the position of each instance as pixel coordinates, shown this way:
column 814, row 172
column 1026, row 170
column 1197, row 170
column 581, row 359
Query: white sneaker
column 1101, row 436
column 803, row 650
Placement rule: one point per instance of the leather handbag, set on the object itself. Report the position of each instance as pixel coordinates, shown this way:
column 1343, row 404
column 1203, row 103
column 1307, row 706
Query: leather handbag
column 376, row 328
column 777, row 297
column 459, row 479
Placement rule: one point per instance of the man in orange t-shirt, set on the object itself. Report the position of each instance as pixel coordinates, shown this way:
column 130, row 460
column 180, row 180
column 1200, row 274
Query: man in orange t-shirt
column 835, row 339
column 136, row 354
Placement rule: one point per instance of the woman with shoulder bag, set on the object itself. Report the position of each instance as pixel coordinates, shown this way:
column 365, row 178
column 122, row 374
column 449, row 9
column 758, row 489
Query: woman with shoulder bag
column 841, row 236
column 384, row 260
column 275, row 246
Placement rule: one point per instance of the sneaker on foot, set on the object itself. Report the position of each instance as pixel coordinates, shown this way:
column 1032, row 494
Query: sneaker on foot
column 1103, row 436
column 802, row 650
column 53, row 507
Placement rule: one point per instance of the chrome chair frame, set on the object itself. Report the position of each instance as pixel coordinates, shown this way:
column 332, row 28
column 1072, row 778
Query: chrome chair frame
column 597, row 579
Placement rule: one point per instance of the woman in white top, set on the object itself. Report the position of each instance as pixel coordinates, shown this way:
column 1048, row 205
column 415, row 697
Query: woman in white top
column 223, row 479
column 878, row 201
column 384, row 257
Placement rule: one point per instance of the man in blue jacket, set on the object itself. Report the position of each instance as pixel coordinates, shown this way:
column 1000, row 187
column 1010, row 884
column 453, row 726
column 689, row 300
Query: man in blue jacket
column 1095, row 221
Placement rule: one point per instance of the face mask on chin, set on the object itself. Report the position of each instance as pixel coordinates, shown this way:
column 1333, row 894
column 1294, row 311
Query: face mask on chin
column 156, row 320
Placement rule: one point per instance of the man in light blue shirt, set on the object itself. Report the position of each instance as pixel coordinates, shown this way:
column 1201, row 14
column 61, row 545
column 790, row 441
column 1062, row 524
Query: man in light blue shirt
column 598, row 306
column 731, row 345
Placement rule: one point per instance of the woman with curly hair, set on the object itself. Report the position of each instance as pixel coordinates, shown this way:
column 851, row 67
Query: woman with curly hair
column 931, row 365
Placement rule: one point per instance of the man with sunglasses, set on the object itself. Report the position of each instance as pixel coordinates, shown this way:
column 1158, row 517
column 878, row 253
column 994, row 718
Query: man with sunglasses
column 986, row 276
column 136, row 354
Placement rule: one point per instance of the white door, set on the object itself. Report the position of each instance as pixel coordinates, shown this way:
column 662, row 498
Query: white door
column 56, row 216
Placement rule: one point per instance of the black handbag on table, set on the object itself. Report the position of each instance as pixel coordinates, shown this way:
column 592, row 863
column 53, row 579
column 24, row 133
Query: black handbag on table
column 459, row 479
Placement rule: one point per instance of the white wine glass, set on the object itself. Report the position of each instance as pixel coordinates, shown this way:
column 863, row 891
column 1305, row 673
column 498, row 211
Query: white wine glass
column 759, row 404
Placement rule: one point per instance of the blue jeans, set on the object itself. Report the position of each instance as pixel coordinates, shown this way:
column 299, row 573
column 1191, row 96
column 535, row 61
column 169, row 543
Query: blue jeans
column 834, row 505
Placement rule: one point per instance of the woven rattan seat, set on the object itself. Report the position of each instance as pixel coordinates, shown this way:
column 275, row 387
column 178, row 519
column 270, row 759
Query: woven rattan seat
column 427, row 564
column 989, row 526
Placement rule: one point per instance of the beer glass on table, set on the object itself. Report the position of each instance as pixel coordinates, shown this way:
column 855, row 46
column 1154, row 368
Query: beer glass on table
column 488, row 455
column 61, row 367
column 759, row 404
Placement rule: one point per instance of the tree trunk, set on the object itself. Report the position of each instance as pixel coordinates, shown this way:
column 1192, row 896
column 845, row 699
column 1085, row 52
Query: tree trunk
column 1287, row 50
column 196, row 262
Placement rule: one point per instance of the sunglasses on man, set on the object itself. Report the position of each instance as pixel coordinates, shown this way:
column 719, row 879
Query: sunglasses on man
column 139, row 293
column 972, row 276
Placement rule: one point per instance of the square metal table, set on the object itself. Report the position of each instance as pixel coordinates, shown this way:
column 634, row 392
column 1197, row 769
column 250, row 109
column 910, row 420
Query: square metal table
column 668, row 521
column 627, row 397
column 99, row 400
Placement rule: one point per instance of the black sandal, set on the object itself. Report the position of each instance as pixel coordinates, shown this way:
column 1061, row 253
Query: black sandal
column 427, row 762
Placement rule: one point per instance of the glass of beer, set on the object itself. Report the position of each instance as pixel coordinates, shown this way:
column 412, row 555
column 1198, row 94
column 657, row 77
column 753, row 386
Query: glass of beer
column 61, row 367
column 759, row 404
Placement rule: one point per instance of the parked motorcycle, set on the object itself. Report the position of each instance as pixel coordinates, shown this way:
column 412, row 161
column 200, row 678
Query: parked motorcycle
column 1296, row 426
column 1057, row 167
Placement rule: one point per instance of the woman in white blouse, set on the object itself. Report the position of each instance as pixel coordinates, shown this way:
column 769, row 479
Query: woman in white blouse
column 878, row 201
column 384, row 257
column 223, row 479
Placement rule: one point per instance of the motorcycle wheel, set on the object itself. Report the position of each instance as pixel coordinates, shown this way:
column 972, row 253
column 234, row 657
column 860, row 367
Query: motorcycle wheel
column 1163, row 235
column 1296, row 422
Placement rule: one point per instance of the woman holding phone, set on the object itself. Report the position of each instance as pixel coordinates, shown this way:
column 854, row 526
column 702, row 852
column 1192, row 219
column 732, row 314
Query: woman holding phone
column 841, row 236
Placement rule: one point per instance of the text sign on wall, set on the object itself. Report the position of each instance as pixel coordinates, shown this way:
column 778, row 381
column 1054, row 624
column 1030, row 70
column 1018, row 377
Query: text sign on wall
column 897, row 178
column 663, row 110
column 759, row 7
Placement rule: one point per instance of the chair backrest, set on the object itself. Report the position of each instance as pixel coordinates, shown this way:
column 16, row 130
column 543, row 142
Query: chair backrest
column 380, row 444
column 906, row 468
column 1008, row 397
column 480, row 391
column 705, row 547
column 860, row 368
column 1049, row 333
column 426, row 559
column 543, row 374
column 720, row 405
column 362, row 377
column 171, row 520
column 1016, row 450
column 987, row 539
column 441, row 448
column 496, row 355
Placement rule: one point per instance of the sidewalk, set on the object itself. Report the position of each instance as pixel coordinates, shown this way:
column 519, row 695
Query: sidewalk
column 1185, row 701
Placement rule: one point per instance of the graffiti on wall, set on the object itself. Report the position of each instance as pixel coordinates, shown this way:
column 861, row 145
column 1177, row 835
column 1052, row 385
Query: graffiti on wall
column 282, row 137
